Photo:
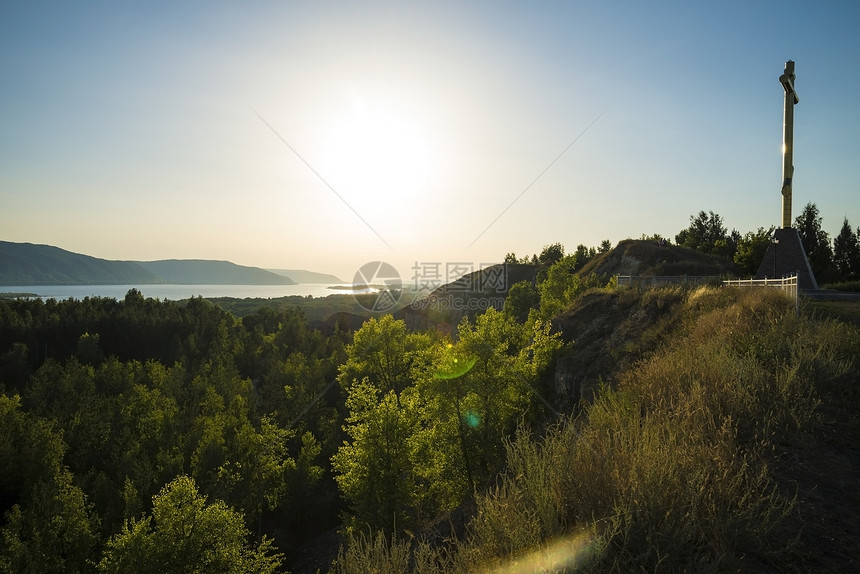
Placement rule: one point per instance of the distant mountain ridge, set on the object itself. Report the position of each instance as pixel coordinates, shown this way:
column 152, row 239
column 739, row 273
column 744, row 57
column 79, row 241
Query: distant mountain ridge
column 35, row 264
column 31, row 264
column 206, row 272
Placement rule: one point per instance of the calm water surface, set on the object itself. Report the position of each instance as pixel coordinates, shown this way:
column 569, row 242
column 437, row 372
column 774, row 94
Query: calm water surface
column 175, row 292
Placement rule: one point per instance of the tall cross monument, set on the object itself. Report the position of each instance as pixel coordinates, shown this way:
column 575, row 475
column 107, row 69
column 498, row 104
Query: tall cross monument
column 785, row 255
column 787, row 81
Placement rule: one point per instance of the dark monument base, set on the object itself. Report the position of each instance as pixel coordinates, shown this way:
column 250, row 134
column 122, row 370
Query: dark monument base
column 786, row 256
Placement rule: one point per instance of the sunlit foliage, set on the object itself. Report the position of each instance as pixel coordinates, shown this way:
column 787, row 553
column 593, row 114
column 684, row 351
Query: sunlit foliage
column 184, row 534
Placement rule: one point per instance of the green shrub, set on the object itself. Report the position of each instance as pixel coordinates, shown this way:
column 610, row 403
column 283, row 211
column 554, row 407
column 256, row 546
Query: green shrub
column 379, row 554
column 376, row 554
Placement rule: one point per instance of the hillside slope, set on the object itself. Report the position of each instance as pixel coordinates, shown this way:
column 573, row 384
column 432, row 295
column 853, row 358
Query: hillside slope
column 609, row 331
column 33, row 264
column 638, row 257
column 204, row 272
column 469, row 295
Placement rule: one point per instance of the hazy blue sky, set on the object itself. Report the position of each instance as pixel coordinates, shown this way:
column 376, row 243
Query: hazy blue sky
column 131, row 130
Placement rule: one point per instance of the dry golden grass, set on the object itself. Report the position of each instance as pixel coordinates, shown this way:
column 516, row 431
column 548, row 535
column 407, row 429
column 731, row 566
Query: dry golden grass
column 671, row 470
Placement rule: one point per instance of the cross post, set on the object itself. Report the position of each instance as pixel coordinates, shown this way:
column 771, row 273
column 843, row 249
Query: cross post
column 787, row 81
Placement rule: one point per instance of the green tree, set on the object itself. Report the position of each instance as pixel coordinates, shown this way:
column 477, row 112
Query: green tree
column 14, row 367
column 69, row 395
column 656, row 237
column 185, row 534
column 48, row 524
column 551, row 253
column 439, row 448
column 605, row 246
column 134, row 298
column 222, row 434
column 53, row 531
column 846, row 252
column 751, row 249
column 707, row 234
column 89, row 350
column 522, row 297
column 727, row 246
column 815, row 241
column 374, row 470
column 583, row 255
column 559, row 288
column 501, row 385
column 255, row 473
column 385, row 353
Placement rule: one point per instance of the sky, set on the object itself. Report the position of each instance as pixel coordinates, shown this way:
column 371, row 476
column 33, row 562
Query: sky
column 324, row 135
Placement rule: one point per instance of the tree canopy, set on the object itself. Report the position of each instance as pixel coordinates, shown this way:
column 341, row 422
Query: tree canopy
column 846, row 252
column 815, row 241
column 186, row 534
column 707, row 234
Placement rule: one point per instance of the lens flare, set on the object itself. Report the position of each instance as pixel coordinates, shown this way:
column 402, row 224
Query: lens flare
column 454, row 364
column 558, row 555
column 472, row 419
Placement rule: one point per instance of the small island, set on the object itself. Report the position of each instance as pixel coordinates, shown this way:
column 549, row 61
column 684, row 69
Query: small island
column 18, row 295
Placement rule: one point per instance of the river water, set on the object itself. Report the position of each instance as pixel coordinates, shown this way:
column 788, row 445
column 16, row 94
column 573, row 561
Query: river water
column 176, row 292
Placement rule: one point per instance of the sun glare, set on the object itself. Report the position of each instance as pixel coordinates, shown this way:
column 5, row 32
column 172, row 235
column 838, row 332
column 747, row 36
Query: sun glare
column 378, row 155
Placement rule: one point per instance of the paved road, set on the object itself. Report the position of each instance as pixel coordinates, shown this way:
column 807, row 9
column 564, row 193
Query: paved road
column 831, row 295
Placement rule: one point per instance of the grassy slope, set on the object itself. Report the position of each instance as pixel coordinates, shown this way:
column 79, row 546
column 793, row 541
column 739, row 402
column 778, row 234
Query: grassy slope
column 786, row 386
column 611, row 330
column 728, row 442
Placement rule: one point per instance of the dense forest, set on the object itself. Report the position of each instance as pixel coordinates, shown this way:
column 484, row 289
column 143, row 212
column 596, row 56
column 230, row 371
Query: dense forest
column 110, row 403
column 158, row 436
column 121, row 416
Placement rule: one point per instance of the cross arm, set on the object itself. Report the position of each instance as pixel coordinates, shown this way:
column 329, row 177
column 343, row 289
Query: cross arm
column 787, row 81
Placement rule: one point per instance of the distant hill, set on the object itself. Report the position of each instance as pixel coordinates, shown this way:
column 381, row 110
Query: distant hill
column 469, row 295
column 31, row 264
column 205, row 272
column 640, row 257
column 304, row 277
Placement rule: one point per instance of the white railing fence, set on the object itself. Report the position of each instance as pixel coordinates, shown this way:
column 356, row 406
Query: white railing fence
column 787, row 284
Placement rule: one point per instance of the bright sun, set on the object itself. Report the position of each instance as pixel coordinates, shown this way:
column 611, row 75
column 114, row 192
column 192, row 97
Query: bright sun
column 378, row 154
